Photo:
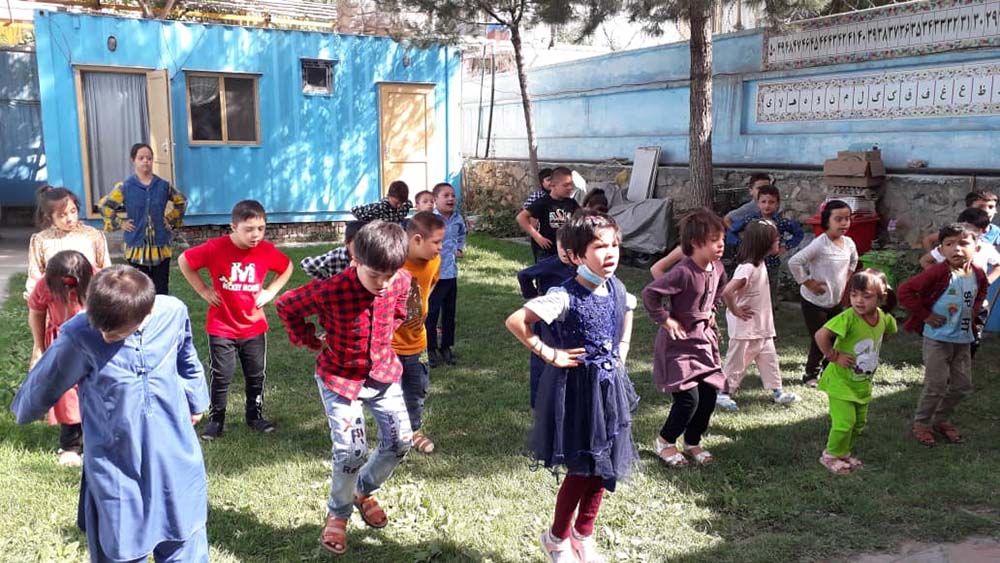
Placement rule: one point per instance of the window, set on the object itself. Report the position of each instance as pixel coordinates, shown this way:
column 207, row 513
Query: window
column 317, row 76
column 222, row 109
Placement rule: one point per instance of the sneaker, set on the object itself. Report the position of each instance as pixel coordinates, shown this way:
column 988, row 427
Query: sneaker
column 585, row 548
column 212, row 430
column 811, row 382
column 261, row 425
column 447, row 356
column 433, row 358
column 782, row 398
column 726, row 403
column 69, row 458
column 559, row 551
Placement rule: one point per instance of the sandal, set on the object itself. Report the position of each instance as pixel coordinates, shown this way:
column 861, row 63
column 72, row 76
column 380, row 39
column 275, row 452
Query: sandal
column 699, row 454
column 854, row 462
column 334, row 535
column 669, row 453
column 836, row 465
column 585, row 548
column 949, row 432
column 422, row 443
column 371, row 512
column 923, row 434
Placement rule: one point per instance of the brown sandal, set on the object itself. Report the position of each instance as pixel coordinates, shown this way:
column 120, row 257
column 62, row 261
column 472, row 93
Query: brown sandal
column 923, row 434
column 422, row 443
column 949, row 432
column 371, row 512
column 334, row 535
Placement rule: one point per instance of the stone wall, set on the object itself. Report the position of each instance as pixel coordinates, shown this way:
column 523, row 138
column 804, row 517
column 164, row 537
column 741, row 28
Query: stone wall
column 278, row 233
column 917, row 203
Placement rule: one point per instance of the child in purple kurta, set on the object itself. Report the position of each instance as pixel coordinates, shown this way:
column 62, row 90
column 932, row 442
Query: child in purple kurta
column 686, row 360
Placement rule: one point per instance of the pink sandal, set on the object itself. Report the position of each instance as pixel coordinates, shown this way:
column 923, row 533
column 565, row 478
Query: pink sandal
column 836, row 465
column 699, row 454
column 669, row 453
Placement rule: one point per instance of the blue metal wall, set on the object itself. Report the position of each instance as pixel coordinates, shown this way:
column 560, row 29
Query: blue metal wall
column 319, row 155
column 604, row 107
column 22, row 158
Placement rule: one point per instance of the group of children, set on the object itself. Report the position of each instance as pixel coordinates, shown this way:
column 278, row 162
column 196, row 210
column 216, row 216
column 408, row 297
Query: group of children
column 375, row 300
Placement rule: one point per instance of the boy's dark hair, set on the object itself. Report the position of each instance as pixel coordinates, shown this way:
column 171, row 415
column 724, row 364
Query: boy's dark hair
column 769, row 190
column 248, row 209
column 697, row 227
column 562, row 237
column 134, row 151
column 424, row 223
column 756, row 242
column 759, row 176
column 440, row 186
column 381, row 246
column 422, row 193
column 543, row 174
column 955, row 230
column 66, row 271
column 976, row 217
column 828, row 209
column 351, row 230
column 874, row 280
column 48, row 200
column 398, row 190
column 561, row 171
column 596, row 200
column 976, row 195
column 119, row 296
column 582, row 229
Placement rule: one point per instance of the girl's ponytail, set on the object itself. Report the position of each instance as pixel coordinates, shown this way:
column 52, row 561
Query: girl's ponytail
column 68, row 272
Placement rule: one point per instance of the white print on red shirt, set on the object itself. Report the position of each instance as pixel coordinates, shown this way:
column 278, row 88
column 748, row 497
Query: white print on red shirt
column 241, row 278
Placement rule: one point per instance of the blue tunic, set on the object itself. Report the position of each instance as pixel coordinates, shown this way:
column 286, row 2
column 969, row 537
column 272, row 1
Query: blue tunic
column 143, row 473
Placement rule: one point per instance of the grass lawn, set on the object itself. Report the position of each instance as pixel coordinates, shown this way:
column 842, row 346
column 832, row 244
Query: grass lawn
column 475, row 499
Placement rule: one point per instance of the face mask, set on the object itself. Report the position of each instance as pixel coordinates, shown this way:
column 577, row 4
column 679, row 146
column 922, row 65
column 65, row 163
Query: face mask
column 584, row 272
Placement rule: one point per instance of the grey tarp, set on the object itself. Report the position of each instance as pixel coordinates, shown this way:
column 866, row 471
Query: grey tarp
column 647, row 226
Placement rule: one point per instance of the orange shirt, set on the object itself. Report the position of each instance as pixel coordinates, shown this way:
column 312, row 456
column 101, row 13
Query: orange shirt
column 411, row 336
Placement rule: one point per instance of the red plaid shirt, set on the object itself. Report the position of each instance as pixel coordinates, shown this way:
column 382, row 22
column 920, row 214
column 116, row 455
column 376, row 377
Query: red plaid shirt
column 358, row 325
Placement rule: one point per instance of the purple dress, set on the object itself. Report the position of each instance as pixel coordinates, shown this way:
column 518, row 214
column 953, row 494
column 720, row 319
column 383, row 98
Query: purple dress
column 679, row 365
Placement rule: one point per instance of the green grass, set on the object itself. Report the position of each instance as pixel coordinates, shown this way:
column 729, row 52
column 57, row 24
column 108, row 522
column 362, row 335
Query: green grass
column 475, row 499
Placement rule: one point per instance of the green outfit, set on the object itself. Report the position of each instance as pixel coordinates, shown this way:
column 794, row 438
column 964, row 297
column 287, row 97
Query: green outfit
column 850, row 390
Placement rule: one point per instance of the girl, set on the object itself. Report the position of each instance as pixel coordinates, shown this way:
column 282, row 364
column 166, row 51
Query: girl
column 686, row 359
column 850, row 342
column 749, row 316
column 50, row 304
column 583, row 412
column 823, row 268
column 148, row 224
column 57, row 214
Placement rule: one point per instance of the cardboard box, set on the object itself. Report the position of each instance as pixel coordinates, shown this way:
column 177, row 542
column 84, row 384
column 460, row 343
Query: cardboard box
column 853, row 165
column 853, row 181
column 870, row 156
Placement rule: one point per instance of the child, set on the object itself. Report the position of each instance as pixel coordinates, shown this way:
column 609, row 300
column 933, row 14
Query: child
column 980, row 199
column 986, row 257
column 57, row 213
column 686, row 361
column 538, row 280
column 393, row 207
column 944, row 304
column 583, row 415
column 551, row 212
column 749, row 317
column 425, row 201
column 789, row 231
column 425, row 232
column 148, row 225
column 544, row 185
column 141, row 390
column 335, row 261
column 359, row 309
column 445, row 295
column 596, row 200
column 51, row 304
column 823, row 268
column 851, row 342
column 237, row 264
column 754, row 183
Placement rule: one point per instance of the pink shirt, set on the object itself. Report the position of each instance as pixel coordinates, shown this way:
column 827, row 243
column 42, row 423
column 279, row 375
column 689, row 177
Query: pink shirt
column 756, row 295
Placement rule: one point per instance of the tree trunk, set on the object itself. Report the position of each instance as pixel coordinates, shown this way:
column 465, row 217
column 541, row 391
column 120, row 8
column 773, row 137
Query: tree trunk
column 522, row 79
column 700, row 153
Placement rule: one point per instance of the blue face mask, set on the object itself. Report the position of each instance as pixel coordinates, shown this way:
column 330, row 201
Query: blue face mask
column 584, row 272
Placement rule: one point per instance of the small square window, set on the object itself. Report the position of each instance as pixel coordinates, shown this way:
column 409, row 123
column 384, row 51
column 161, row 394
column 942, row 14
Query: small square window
column 317, row 76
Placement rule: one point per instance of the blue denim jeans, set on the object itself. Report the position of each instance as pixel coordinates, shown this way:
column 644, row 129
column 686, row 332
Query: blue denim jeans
column 415, row 381
column 350, row 447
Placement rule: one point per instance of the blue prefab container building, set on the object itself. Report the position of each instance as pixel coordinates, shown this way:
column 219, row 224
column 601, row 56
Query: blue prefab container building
column 309, row 124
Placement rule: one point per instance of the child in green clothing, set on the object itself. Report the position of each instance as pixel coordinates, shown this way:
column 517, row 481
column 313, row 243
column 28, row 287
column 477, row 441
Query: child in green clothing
column 851, row 342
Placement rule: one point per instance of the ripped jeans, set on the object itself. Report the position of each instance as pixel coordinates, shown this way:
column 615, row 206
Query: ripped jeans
column 351, row 474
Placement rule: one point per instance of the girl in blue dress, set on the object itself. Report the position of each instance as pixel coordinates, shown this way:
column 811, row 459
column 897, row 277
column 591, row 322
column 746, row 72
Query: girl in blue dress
column 583, row 411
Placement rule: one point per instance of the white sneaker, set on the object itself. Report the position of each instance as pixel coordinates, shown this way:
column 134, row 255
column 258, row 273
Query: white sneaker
column 69, row 458
column 559, row 551
column 726, row 403
column 585, row 548
column 782, row 398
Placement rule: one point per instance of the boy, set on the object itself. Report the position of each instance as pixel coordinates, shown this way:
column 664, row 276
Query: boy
column 981, row 199
column 335, row 261
column 236, row 324
column 393, row 207
column 986, row 256
column 141, row 390
column 359, row 309
column 756, row 180
column 768, row 201
column 544, row 183
column 445, row 295
column 425, row 232
column 551, row 212
column 944, row 304
column 425, row 201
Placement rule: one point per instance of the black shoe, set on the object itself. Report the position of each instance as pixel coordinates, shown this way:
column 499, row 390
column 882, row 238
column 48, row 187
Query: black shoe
column 212, row 430
column 433, row 358
column 261, row 425
column 447, row 356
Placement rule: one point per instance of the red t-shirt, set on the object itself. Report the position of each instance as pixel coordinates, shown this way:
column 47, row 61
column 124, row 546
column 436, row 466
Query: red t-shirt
column 237, row 276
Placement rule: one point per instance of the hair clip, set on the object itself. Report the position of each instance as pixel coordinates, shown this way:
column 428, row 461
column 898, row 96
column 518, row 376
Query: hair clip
column 47, row 189
column 70, row 281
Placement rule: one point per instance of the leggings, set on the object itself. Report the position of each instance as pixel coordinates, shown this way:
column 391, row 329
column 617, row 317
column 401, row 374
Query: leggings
column 815, row 317
column 577, row 491
column 690, row 414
